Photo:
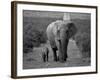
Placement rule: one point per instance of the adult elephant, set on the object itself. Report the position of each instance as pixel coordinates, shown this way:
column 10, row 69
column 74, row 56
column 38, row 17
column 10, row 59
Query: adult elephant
column 58, row 34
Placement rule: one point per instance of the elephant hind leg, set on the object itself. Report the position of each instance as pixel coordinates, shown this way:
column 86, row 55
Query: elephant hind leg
column 47, row 56
column 44, row 57
column 55, row 54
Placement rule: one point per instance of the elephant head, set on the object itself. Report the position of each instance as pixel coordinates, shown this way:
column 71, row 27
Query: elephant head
column 61, row 32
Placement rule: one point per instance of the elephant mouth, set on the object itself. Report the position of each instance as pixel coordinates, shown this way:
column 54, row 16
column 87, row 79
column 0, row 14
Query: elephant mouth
column 59, row 40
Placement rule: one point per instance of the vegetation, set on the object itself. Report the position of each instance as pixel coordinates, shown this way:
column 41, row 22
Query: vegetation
column 32, row 38
column 84, row 43
column 83, row 37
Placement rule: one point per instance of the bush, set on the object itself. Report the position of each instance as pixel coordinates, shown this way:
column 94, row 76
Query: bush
column 43, row 38
column 84, row 43
column 32, row 37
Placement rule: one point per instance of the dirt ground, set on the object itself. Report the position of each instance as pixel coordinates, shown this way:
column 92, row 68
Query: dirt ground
column 34, row 60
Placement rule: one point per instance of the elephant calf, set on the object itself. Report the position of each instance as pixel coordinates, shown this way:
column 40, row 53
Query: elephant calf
column 45, row 54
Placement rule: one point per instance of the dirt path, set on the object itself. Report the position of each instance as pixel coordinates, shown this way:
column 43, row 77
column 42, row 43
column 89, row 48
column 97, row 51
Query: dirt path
column 34, row 59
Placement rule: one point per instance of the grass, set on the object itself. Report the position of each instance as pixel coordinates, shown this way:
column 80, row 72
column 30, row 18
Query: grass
column 34, row 60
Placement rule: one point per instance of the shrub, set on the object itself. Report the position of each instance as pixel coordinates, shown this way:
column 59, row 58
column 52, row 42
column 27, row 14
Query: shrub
column 43, row 38
column 84, row 43
column 32, row 37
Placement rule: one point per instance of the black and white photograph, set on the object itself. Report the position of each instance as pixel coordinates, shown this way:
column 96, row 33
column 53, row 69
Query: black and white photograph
column 56, row 39
column 53, row 39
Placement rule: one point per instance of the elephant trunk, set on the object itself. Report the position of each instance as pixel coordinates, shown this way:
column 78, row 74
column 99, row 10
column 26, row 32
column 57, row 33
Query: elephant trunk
column 63, row 50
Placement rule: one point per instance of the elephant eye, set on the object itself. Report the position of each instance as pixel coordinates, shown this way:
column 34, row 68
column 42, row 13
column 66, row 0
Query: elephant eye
column 67, row 31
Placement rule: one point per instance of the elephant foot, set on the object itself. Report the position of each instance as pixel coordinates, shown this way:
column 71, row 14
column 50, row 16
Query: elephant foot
column 65, row 58
column 62, row 60
column 56, row 59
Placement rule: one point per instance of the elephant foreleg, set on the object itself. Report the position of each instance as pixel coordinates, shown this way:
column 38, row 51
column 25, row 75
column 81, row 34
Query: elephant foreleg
column 44, row 57
column 66, row 54
column 47, row 56
column 54, row 53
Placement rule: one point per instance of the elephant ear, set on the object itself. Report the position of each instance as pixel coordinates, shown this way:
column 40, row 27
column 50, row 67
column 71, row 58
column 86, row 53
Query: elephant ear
column 72, row 30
